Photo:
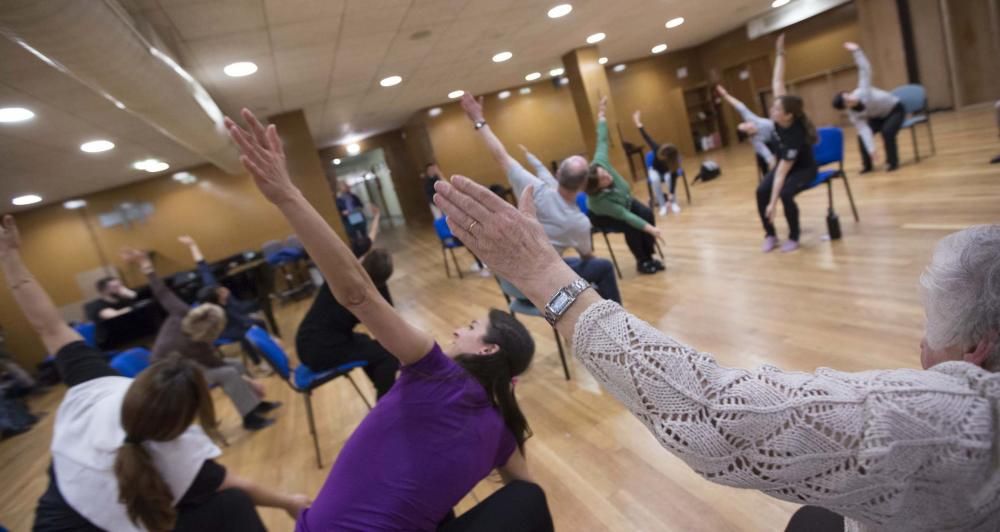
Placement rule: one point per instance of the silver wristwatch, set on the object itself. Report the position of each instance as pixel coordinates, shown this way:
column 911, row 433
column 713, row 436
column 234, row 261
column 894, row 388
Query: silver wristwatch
column 563, row 299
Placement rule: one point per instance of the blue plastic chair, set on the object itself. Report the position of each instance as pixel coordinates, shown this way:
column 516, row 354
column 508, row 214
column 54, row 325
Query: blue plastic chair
column 131, row 362
column 582, row 203
column 517, row 302
column 88, row 330
column 649, row 164
column 914, row 100
column 448, row 245
column 830, row 150
column 302, row 379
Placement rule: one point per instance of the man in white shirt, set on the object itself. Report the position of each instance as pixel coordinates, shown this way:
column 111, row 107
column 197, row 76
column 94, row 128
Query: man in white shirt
column 555, row 201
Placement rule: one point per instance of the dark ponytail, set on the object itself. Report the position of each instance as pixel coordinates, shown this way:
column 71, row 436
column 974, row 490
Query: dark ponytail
column 160, row 405
column 495, row 372
column 794, row 106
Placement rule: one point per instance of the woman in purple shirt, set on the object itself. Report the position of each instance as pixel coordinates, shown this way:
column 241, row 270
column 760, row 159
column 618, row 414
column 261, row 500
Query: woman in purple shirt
column 450, row 419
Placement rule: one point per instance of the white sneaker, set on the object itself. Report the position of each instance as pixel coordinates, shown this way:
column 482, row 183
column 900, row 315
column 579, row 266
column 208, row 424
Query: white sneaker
column 485, row 272
column 474, row 267
column 663, row 210
column 675, row 208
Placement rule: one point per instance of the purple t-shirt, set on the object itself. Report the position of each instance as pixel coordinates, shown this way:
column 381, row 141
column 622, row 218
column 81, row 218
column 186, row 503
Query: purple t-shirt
column 423, row 447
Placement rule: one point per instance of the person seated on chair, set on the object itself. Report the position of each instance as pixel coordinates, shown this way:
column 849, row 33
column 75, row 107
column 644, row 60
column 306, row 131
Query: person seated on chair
column 191, row 332
column 125, row 453
column 452, row 416
column 871, row 110
column 666, row 165
column 239, row 314
column 351, row 210
column 566, row 226
column 114, row 299
column 326, row 337
column 610, row 199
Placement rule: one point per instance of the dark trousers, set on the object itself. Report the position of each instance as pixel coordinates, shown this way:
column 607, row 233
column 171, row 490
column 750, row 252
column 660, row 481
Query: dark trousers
column 888, row 126
column 230, row 509
column 762, row 166
column 517, row 506
column 640, row 243
column 338, row 350
column 815, row 519
column 795, row 182
column 599, row 272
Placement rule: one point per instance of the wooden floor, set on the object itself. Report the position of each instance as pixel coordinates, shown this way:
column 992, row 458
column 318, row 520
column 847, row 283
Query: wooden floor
column 851, row 304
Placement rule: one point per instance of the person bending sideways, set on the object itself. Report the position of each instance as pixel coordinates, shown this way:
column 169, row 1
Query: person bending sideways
column 114, row 299
column 125, row 453
column 190, row 332
column 666, row 165
column 610, row 199
column 565, row 224
column 871, row 110
column 452, row 416
column 326, row 337
column 794, row 137
column 898, row 449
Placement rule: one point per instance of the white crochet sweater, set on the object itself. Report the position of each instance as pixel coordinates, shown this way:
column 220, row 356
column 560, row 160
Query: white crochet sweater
column 889, row 450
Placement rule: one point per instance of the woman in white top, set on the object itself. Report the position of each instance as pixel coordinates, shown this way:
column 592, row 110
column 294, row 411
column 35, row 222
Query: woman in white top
column 888, row 450
column 125, row 455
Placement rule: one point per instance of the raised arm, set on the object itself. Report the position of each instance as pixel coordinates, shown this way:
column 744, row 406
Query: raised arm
column 204, row 271
column 864, row 67
column 601, row 152
column 264, row 157
column 373, row 228
column 518, row 177
column 34, row 302
column 778, row 76
column 541, row 171
column 164, row 296
column 637, row 120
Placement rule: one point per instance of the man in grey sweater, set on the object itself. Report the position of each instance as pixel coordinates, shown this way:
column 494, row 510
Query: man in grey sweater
column 872, row 110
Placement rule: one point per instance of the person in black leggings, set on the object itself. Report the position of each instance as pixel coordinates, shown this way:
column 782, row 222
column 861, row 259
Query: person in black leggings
column 149, row 418
column 796, row 169
column 666, row 165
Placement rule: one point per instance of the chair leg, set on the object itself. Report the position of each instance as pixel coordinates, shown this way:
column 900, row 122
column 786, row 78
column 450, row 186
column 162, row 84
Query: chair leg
column 659, row 250
column 562, row 353
column 687, row 190
column 850, row 196
column 357, row 389
column 930, row 133
column 444, row 256
column 455, row 260
column 916, row 146
column 612, row 252
column 312, row 427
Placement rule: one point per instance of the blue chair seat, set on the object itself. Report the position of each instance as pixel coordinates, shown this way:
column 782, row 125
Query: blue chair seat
column 822, row 177
column 914, row 120
column 304, row 378
column 131, row 362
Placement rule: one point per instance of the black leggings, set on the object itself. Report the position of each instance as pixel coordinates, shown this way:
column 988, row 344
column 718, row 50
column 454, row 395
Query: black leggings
column 640, row 243
column 517, row 506
column 795, row 182
column 888, row 126
column 337, row 351
column 815, row 519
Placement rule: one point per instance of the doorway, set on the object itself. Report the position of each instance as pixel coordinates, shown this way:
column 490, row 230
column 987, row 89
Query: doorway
column 368, row 177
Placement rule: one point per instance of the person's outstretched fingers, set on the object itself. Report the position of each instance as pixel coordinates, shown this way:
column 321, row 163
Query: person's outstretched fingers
column 464, row 201
column 482, row 195
column 457, row 218
column 258, row 130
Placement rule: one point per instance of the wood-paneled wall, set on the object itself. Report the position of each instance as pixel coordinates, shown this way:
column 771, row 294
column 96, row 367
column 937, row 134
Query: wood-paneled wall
column 973, row 29
column 933, row 65
column 882, row 40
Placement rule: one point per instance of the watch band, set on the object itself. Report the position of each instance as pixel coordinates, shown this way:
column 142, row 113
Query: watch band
column 563, row 300
column 480, row 124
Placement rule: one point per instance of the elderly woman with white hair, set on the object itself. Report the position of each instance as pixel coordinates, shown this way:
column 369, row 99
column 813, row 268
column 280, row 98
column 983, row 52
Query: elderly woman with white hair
column 894, row 449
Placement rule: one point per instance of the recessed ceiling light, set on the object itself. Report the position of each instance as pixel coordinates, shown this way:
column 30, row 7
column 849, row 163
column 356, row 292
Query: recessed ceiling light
column 74, row 204
column 619, row 67
column 525, row 90
column 27, row 199
column 434, row 111
column 150, row 165
column 119, row 105
column 533, row 76
column 455, row 94
column 97, row 146
column 602, row 61
column 15, row 114
column 564, row 80
column 659, row 48
column 353, row 148
column 390, row 81
column 560, row 10
column 186, row 178
column 336, row 162
column 674, row 22
column 556, row 72
column 502, row 56
column 596, row 38
column 779, row 3
column 503, row 95
column 240, row 69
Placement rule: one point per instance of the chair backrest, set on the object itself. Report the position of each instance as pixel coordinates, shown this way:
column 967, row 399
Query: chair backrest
column 649, row 159
column 511, row 291
column 271, row 248
column 88, row 331
column 913, row 97
column 830, row 148
column 443, row 231
column 131, row 362
column 581, row 202
column 270, row 350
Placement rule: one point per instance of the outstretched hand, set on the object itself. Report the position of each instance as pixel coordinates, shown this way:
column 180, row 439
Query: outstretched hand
column 637, row 119
column 721, row 91
column 779, row 45
column 10, row 237
column 473, row 107
column 186, row 240
column 851, row 46
column 602, row 107
column 263, row 155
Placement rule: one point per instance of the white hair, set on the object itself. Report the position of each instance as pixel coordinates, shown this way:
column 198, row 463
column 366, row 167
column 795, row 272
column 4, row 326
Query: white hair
column 962, row 291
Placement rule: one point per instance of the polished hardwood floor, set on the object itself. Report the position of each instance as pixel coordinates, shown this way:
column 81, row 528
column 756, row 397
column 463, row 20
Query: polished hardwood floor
column 851, row 304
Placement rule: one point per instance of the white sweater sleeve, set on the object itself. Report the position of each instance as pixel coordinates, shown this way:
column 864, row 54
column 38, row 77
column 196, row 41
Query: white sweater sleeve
column 879, row 447
column 864, row 131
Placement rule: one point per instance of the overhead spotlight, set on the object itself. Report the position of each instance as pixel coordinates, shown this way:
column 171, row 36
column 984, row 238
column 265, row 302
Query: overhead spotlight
column 455, row 94
column 502, row 56
column 533, row 76
column 434, row 111
column 353, row 148
column 524, row 90
column 240, row 69
column 564, row 81
column 97, row 146
column 150, row 165
column 619, row 67
column 9, row 115
column 779, row 3
column 596, row 38
column 602, row 61
column 560, row 10
column 659, row 48
column 503, row 95
column 27, row 199
column 555, row 72
column 391, row 81
column 336, row 162
column 674, row 22
column 185, row 178
column 74, row 204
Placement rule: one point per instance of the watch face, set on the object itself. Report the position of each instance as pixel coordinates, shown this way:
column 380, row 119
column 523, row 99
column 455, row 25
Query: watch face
column 560, row 302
